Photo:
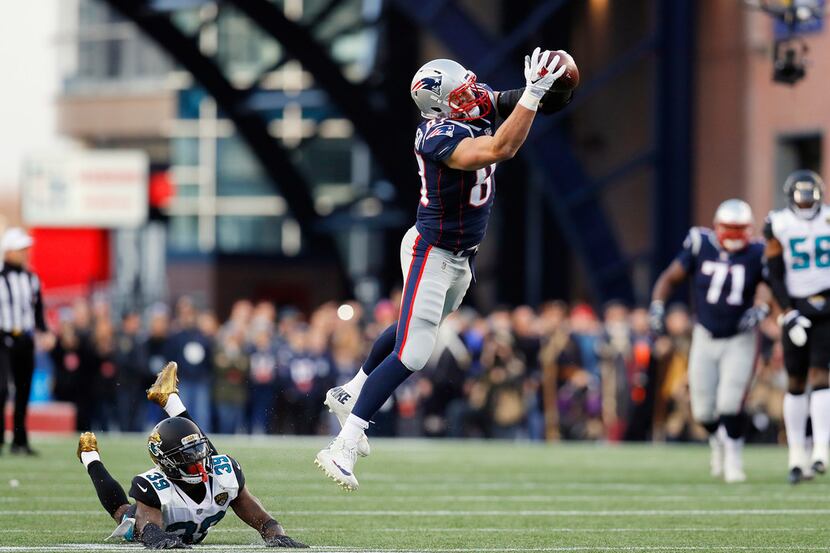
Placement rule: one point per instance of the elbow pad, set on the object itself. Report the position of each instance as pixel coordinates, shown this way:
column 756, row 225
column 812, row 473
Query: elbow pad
column 775, row 279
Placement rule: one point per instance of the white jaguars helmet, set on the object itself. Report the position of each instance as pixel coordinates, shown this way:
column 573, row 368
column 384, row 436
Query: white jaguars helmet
column 733, row 225
column 445, row 89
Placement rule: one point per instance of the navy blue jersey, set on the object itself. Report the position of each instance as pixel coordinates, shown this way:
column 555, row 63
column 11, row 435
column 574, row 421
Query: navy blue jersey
column 723, row 283
column 455, row 205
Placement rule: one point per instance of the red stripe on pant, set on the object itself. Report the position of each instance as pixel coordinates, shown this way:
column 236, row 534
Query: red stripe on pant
column 414, row 291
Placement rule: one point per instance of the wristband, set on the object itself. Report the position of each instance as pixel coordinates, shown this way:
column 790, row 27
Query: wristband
column 529, row 99
column 271, row 523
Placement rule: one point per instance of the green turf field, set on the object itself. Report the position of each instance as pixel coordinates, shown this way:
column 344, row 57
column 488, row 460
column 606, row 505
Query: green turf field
column 424, row 496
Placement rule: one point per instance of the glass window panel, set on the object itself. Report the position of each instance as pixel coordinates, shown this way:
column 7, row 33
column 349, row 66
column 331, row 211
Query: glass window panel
column 187, row 190
column 186, row 151
column 249, row 234
column 238, row 173
column 242, row 45
column 183, row 233
column 326, row 160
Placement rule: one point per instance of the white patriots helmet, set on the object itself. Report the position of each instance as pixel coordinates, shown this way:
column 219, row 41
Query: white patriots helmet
column 733, row 224
column 446, row 89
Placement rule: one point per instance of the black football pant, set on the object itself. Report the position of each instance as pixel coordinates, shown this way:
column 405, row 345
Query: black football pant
column 17, row 361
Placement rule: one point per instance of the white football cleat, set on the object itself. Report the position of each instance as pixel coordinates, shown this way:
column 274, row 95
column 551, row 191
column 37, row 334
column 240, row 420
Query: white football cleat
column 716, row 457
column 733, row 461
column 341, row 402
column 338, row 460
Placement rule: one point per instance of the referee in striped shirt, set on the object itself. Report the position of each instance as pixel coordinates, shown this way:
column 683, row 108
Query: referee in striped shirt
column 21, row 314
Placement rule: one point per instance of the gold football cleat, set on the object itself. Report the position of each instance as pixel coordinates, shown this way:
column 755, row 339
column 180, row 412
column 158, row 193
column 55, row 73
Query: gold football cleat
column 87, row 442
column 164, row 385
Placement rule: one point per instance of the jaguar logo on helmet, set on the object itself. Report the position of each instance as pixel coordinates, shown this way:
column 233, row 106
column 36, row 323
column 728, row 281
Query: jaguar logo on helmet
column 153, row 443
column 433, row 84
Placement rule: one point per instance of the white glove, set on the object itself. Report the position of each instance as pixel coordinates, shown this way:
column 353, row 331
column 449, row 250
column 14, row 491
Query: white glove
column 540, row 74
column 795, row 325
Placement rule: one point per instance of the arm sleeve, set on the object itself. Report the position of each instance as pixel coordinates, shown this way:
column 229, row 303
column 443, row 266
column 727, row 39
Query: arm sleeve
column 440, row 141
column 768, row 234
column 142, row 490
column 552, row 101
column 40, row 320
column 237, row 470
column 507, row 100
column 774, row 271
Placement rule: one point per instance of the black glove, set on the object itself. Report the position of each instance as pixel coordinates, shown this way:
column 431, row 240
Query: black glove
column 284, row 541
column 656, row 317
column 752, row 317
column 154, row 537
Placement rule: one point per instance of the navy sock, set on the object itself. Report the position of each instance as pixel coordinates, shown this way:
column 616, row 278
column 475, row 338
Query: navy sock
column 383, row 346
column 734, row 425
column 711, row 427
column 379, row 386
column 110, row 493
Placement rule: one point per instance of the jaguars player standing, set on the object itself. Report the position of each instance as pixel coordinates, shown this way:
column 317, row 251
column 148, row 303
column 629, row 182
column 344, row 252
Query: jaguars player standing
column 798, row 259
column 188, row 491
column 726, row 268
column 456, row 148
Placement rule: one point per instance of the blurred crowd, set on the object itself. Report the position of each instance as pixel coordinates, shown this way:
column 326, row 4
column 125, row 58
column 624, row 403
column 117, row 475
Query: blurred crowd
column 556, row 372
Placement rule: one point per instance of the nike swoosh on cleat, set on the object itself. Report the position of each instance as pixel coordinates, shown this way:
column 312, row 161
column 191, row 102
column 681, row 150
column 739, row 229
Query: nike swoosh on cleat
column 344, row 471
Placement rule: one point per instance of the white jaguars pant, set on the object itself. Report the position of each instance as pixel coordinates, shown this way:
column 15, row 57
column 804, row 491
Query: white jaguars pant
column 435, row 282
column 720, row 372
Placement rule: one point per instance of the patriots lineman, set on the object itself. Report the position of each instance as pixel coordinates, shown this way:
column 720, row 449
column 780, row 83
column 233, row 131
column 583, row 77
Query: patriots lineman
column 189, row 490
column 798, row 259
column 457, row 147
column 725, row 268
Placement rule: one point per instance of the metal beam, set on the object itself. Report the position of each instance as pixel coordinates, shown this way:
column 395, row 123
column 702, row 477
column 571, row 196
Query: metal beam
column 357, row 102
column 233, row 102
column 672, row 192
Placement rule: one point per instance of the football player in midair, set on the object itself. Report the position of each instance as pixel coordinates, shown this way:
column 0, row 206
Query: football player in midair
column 798, row 259
column 457, row 147
column 726, row 268
column 188, row 491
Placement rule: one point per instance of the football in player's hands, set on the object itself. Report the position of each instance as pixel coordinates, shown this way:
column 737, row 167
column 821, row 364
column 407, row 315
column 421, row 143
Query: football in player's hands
column 570, row 79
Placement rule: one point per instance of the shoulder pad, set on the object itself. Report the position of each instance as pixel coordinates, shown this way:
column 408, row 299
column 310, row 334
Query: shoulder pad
column 160, row 483
column 223, row 472
column 694, row 240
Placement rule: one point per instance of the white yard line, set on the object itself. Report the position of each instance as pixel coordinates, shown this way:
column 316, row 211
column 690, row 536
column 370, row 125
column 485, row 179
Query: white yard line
column 336, row 549
column 488, row 529
column 500, row 513
column 338, row 498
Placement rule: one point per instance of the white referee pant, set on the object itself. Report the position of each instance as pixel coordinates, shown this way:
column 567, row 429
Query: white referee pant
column 720, row 371
column 435, row 281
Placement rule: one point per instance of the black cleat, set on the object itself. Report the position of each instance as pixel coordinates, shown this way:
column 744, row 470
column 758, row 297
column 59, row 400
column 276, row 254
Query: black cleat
column 24, row 449
column 796, row 475
column 819, row 468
